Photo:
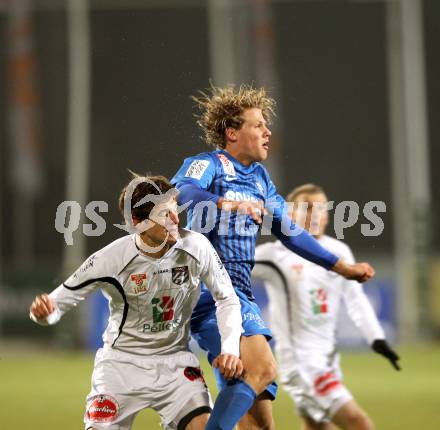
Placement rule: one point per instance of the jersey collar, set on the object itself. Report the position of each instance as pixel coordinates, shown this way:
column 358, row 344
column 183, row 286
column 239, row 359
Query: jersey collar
column 237, row 164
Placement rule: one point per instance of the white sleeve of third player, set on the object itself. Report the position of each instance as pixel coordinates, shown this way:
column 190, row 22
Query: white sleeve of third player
column 268, row 271
column 228, row 309
column 76, row 288
column 278, row 304
column 359, row 308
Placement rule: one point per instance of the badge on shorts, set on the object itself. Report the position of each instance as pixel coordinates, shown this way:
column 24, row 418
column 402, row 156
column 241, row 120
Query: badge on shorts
column 194, row 374
column 102, row 409
column 180, row 275
column 326, row 383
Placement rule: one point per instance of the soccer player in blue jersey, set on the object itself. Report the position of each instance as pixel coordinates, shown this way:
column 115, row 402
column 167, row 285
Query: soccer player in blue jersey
column 230, row 194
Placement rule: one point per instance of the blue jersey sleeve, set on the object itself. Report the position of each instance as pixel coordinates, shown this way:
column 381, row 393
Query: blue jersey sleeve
column 194, row 178
column 292, row 236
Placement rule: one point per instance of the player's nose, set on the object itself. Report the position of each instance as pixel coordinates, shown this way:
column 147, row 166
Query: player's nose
column 174, row 217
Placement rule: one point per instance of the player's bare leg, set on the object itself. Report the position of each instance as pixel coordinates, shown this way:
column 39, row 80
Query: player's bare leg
column 198, row 423
column 259, row 416
column 259, row 371
column 352, row 417
column 309, row 424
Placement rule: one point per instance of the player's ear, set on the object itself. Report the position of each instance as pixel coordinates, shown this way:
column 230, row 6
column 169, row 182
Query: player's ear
column 231, row 134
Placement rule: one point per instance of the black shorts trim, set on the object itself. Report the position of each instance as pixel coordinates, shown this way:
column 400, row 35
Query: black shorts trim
column 188, row 417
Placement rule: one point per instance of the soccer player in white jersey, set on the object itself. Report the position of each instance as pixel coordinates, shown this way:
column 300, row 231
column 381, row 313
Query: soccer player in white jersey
column 151, row 280
column 304, row 300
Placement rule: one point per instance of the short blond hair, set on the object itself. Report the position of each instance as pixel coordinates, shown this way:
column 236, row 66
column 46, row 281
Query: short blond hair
column 304, row 189
column 221, row 108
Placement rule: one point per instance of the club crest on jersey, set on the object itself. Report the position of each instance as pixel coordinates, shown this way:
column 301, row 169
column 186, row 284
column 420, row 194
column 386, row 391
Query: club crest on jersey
column 228, row 167
column 180, row 275
column 140, row 282
column 102, row 409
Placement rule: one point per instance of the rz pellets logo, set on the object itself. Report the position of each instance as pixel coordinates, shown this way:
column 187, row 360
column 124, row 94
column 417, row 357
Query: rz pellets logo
column 163, row 309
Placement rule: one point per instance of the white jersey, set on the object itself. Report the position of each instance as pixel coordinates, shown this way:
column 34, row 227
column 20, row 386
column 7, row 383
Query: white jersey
column 151, row 300
column 304, row 301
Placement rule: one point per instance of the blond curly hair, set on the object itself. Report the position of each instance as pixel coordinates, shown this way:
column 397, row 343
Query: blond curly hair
column 221, row 108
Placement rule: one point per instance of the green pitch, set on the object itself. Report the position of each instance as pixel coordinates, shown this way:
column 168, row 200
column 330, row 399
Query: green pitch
column 46, row 391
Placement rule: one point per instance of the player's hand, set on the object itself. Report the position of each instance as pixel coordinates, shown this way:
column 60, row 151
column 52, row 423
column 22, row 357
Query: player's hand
column 42, row 306
column 360, row 272
column 255, row 209
column 230, row 365
column 381, row 347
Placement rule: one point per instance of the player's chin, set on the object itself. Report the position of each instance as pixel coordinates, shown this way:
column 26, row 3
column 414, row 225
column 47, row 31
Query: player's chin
column 263, row 154
column 173, row 237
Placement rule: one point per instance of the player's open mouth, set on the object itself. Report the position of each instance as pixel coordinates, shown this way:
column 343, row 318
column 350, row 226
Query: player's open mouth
column 266, row 146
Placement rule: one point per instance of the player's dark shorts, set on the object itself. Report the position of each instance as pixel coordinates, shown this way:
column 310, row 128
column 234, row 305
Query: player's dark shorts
column 204, row 329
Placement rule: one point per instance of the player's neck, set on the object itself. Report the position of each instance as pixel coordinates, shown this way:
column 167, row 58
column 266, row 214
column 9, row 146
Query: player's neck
column 150, row 248
column 240, row 156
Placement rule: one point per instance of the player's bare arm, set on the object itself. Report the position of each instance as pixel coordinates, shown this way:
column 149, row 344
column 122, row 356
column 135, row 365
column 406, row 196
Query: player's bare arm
column 360, row 272
column 42, row 306
column 230, row 365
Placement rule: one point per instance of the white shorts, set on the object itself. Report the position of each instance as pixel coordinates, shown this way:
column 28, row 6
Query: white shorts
column 124, row 384
column 317, row 390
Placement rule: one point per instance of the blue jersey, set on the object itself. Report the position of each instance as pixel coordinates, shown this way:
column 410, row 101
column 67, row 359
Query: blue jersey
column 217, row 174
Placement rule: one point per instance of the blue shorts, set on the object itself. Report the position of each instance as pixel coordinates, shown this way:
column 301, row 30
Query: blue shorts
column 204, row 329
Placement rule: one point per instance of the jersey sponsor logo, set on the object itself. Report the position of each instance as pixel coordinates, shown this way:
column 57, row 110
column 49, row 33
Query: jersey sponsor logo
column 319, row 301
column 161, row 271
column 180, row 275
column 228, row 167
column 239, row 196
column 219, row 261
column 249, row 316
column 102, row 409
column 163, row 308
column 162, row 326
column 85, row 266
column 197, row 169
column 326, row 383
column 140, row 281
column 194, row 374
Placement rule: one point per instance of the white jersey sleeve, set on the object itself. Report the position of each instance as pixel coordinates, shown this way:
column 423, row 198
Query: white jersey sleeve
column 228, row 309
column 76, row 288
column 268, row 270
column 359, row 307
column 271, row 274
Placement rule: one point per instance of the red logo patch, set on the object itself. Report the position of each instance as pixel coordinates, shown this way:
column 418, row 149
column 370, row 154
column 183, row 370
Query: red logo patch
column 194, row 373
column 140, row 281
column 102, row 409
column 298, row 268
column 326, row 383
